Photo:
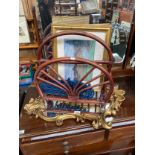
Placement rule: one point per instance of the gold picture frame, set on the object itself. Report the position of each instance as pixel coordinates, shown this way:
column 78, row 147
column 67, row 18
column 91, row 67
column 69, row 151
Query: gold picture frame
column 102, row 31
column 92, row 28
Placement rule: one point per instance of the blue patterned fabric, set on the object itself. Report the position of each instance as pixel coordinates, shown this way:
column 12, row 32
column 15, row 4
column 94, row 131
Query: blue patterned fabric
column 52, row 90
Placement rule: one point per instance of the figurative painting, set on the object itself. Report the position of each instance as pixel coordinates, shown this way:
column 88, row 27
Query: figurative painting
column 78, row 48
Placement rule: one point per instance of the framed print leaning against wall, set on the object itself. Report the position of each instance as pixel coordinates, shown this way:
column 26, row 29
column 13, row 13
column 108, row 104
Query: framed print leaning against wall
column 80, row 46
column 102, row 31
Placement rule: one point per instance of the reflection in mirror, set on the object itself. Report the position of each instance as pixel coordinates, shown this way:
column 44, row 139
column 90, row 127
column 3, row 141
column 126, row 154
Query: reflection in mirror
column 120, row 14
column 119, row 40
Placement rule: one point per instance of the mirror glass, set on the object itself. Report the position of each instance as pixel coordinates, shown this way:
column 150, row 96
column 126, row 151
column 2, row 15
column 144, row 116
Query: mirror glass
column 120, row 14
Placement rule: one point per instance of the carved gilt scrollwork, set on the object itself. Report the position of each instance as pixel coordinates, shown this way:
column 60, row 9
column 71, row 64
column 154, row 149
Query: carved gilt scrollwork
column 37, row 107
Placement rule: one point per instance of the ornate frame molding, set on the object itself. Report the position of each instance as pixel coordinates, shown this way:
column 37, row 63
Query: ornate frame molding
column 37, row 107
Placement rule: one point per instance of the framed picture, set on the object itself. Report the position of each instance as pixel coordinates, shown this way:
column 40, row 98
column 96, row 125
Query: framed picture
column 67, row 20
column 80, row 46
column 102, row 31
column 21, row 9
column 25, row 71
column 23, row 30
column 115, row 16
column 89, row 6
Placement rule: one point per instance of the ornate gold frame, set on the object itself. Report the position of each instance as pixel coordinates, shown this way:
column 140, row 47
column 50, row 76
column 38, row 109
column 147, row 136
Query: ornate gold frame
column 37, row 107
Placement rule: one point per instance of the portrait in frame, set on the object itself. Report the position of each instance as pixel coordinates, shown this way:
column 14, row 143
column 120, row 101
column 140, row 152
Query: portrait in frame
column 80, row 46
